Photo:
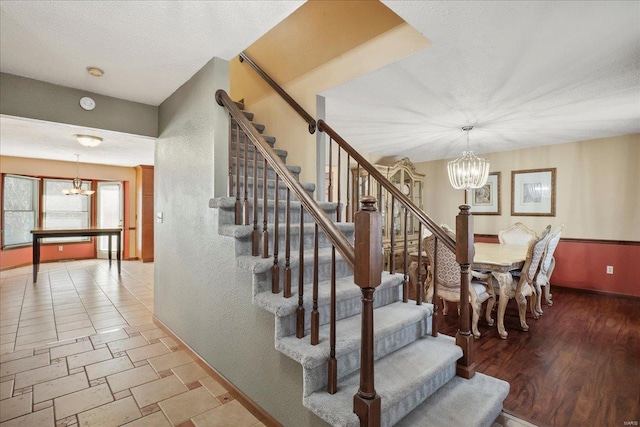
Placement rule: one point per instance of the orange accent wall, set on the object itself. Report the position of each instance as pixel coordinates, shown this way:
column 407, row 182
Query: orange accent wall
column 583, row 265
column 22, row 256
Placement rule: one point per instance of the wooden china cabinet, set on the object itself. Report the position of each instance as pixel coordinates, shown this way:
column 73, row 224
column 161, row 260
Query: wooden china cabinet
column 404, row 176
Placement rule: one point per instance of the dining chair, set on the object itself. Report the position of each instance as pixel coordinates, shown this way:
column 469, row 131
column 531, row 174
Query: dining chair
column 547, row 265
column 517, row 234
column 523, row 286
column 447, row 280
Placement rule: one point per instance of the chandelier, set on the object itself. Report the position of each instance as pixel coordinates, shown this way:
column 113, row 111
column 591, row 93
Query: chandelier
column 468, row 171
column 77, row 183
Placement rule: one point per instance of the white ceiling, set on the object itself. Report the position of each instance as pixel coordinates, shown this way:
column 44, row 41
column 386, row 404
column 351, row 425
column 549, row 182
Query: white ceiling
column 524, row 73
column 54, row 141
column 147, row 50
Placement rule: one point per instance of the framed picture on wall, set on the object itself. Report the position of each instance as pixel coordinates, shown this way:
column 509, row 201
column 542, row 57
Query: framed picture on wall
column 533, row 192
column 485, row 200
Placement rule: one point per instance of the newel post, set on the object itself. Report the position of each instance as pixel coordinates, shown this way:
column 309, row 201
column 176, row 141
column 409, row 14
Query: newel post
column 367, row 275
column 464, row 256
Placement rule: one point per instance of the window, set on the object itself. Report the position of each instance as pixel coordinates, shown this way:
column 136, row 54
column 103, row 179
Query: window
column 60, row 211
column 20, row 209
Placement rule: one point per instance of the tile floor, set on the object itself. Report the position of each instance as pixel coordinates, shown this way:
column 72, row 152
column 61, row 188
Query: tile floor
column 80, row 348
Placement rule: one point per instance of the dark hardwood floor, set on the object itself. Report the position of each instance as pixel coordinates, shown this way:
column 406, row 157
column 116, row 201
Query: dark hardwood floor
column 578, row 365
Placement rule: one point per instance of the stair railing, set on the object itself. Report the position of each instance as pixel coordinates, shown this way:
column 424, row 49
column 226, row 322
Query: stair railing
column 245, row 142
column 366, row 402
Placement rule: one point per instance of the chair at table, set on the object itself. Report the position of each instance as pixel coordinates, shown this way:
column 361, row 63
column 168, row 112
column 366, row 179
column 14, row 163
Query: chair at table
column 448, row 281
column 546, row 269
column 517, row 234
column 523, row 286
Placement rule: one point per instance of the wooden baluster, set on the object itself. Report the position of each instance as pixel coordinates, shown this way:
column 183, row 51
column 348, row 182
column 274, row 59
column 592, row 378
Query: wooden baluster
column 238, row 205
column 231, row 180
column 287, row 253
column 265, row 233
column 392, row 267
column 315, row 316
column 357, row 195
column 339, row 209
column 332, row 368
column 348, row 204
column 436, row 307
column 255, row 235
column 300, row 309
column 368, row 184
column 464, row 256
column 406, row 255
column 330, row 187
column 367, row 275
column 275, row 270
column 246, row 184
column 405, row 281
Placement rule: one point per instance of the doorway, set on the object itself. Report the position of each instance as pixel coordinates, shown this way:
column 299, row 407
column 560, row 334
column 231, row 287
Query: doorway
column 110, row 209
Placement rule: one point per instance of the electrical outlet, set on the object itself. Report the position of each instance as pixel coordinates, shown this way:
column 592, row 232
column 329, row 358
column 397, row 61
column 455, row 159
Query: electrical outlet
column 609, row 269
column 60, row 248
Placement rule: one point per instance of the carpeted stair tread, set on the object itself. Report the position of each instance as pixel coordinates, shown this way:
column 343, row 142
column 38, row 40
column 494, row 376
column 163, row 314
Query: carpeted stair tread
column 403, row 379
column 345, row 288
column 387, row 320
column 262, row 265
column 293, row 168
column 482, row 396
column 259, row 126
column 229, row 203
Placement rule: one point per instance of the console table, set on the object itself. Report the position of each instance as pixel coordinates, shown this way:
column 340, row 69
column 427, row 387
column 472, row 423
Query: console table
column 78, row 232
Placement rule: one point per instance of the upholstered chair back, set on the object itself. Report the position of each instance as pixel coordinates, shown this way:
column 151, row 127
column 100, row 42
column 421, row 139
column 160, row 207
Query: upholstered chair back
column 447, row 270
column 552, row 243
column 534, row 255
column 517, row 234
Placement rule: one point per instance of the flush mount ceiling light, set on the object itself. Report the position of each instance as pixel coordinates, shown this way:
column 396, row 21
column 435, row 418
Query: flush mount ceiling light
column 88, row 140
column 95, row 71
column 77, row 183
column 468, row 171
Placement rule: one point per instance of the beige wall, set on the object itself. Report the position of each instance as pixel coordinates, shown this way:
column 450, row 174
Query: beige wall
column 597, row 195
column 282, row 121
column 57, row 169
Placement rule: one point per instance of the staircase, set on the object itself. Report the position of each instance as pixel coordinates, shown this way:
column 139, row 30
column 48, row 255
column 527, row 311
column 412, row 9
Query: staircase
column 415, row 373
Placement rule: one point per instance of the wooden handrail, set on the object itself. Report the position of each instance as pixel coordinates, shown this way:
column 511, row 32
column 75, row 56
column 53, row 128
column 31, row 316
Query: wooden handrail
column 320, row 217
column 301, row 111
column 399, row 196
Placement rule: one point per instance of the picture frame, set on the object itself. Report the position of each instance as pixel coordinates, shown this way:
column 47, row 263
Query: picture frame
column 485, row 200
column 533, row 192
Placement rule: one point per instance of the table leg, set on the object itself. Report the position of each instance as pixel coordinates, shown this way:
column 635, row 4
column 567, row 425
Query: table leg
column 504, row 281
column 118, row 249
column 109, row 237
column 35, row 258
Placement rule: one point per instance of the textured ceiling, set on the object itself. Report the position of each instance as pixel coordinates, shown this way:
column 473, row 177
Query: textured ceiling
column 524, row 73
column 147, row 49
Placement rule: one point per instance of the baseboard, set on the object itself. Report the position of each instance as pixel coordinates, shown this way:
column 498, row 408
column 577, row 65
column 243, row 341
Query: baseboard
column 237, row 394
column 597, row 292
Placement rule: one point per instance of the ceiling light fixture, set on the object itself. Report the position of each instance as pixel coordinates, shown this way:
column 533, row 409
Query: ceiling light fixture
column 95, row 71
column 88, row 140
column 77, row 183
column 468, row 171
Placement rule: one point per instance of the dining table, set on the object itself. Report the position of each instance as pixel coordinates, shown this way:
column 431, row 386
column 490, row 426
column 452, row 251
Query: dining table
column 500, row 260
column 41, row 233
